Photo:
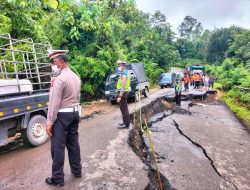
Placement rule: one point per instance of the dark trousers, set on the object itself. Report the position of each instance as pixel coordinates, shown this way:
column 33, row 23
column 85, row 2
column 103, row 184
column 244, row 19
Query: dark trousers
column 124, row 108
column 186, row 86
column 196, row 84
column 211, row 84
column 178, row 98
column 65, row 133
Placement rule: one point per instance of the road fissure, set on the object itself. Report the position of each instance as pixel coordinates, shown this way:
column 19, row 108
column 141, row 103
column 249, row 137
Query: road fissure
column 138, row 145
column 205, row 153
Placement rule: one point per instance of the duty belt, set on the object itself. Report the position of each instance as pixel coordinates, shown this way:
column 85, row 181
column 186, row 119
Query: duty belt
column 71, row 109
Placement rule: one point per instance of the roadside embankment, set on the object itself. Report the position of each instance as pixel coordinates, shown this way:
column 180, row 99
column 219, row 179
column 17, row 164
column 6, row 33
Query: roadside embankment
column 241, row 111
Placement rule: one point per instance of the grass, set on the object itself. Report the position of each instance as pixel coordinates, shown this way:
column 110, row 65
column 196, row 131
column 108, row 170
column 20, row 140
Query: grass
column 242, row 112
column 153, row 86
column 218, row 86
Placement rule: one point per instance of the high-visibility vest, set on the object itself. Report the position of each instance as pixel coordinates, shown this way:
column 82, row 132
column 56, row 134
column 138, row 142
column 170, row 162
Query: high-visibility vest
column 186, row 79
column 119, row 82
column 178, row 87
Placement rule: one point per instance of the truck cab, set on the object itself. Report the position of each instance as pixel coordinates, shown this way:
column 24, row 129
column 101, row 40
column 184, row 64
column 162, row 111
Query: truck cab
column 196, row 69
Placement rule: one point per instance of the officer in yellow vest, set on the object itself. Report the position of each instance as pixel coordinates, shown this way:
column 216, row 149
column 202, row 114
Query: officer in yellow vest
column 178, row 89
column 123, row 86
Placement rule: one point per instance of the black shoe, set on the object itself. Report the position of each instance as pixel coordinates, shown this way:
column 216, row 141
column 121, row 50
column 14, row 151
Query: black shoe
column 78, row 175
column 123, row 126
column 50, row 181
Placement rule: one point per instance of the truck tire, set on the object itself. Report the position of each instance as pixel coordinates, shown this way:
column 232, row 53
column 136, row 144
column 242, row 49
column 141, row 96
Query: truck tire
column 145, row 92
column 36, row 130
column 113, row 102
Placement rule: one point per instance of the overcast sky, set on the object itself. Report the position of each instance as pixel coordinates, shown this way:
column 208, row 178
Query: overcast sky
column 211, row 13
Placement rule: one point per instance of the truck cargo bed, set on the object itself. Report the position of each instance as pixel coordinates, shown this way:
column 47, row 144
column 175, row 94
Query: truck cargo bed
column 18, row 105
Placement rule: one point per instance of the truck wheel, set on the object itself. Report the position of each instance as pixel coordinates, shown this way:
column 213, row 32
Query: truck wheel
column 137, row 97
column 113, row 102
column 145, row 92
column 36, row 130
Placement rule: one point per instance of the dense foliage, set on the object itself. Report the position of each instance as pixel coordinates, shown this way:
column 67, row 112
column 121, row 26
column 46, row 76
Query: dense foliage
column 98, row 33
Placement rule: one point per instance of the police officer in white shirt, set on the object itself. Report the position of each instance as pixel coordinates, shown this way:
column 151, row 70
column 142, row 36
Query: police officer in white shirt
column 63, row 118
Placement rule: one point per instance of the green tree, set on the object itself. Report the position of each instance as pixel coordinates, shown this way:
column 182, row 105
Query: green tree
column 190, row 28
column 96, row 33
column 190, row 32
column 240, row 47
column 219, row 43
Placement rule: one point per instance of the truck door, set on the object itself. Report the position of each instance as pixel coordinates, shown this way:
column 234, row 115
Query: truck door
column 133, row 82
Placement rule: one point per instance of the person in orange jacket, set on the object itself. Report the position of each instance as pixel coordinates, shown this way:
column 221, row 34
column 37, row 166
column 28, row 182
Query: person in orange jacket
column 191, row 79
column 197, row 79
column 186, row 80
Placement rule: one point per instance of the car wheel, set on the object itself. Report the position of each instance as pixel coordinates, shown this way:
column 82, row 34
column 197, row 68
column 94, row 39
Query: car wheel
column 113, row 102
column 162, row 87
column 36, row 130
column 146, row 92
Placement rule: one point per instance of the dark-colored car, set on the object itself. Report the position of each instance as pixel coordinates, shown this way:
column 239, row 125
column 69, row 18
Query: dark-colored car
column 167, row 80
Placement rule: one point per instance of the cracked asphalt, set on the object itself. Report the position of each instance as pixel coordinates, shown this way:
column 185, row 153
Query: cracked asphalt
column 207, row 148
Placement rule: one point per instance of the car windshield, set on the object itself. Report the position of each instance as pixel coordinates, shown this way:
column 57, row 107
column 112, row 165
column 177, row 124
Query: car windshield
column 166, row 77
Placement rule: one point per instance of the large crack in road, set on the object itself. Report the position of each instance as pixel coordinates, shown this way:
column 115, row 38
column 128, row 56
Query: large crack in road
column 138, row 145
column 158, row 111
column 204, row 152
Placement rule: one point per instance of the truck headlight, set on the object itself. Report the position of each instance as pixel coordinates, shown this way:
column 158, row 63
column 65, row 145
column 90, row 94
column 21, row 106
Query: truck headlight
column 107, row 92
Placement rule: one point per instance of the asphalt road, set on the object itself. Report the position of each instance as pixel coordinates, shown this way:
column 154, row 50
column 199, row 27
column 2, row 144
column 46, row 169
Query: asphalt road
column 208, row 149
